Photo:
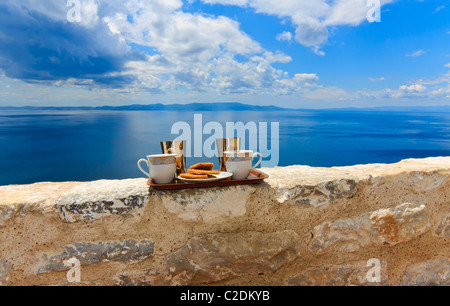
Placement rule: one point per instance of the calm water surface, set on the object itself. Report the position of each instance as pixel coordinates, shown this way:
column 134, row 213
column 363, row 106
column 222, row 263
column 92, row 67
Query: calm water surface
column 90, row 145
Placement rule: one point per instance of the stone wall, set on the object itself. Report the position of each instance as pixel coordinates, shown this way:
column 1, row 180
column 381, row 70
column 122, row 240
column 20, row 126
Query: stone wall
column 303, row 226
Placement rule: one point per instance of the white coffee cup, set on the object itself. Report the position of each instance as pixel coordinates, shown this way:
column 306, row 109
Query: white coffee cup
column 240, row 163
column 163, row 167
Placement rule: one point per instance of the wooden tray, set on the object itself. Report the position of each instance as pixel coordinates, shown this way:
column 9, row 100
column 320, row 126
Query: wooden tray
column 255, row 177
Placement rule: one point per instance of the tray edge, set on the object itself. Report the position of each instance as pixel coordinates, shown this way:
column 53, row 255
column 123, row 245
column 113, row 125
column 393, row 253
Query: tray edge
column 187, row 185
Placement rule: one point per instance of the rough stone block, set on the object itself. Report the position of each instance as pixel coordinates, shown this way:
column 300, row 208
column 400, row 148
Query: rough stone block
column 237, row 230
column 383, row 227
column 5, row 269
column 20, row 200
column 443, row 228
column 6, row 213
column 352, row 274
column 136, row 278
column 214, row 257
column 401, row 223
column 94, row 200
column 311, row 187
column 429, row 273
column 129, row 251
column 208, row 205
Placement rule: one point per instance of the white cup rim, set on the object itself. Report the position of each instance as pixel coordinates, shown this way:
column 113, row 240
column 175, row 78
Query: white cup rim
column 239, row 152
column 161, row 155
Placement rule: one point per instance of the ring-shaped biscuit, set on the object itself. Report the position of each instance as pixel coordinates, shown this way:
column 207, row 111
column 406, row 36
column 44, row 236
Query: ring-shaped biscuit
column 203, row 172
column 193, row 176
column 203, row 166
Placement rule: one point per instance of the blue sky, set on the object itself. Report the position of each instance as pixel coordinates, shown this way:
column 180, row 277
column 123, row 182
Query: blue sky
column 290, row 53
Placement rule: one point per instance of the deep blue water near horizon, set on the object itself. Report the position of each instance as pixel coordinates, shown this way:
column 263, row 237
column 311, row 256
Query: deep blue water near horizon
column 55, row 146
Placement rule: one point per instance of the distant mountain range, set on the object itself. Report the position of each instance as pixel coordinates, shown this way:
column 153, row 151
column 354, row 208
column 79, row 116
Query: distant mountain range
column 205, row 107
column 223, row 107
column 429, row 109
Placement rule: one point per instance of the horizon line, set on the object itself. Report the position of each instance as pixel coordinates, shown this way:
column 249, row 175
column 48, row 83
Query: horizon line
column 231, row 103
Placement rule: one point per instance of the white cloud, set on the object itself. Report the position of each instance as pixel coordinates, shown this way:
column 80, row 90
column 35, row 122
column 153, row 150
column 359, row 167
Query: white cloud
column 256, row 77
column 416, row 54
column 439, row 8
column 416, row 88
column 285, row 36
column 166, row 49
column 197, row 51
column 39, row 45
column 57, row 9
column 443, row 79
column 300, row 83
column 312, row 19
column 178, row 35
column 404, row 91
column 441, row 92
column 437, row 89
column 447, row 65
column 205, row 53
column 379, row 79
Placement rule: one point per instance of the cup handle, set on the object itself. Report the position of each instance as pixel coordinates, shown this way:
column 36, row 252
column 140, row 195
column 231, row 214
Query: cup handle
column 260, row 159
column 140, row 168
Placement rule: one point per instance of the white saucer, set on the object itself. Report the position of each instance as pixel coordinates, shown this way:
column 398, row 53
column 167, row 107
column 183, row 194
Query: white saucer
column 219, row 177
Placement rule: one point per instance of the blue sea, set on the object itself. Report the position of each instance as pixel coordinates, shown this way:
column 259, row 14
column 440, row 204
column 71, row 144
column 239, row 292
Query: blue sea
column 85, row 145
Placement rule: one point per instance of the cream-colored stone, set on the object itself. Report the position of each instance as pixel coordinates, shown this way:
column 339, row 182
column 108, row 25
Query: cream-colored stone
column 208, row 205
column 94, row 200
column 388, row 226
column 213, row 257
column 317, row 187
column 427, row 165
column 310, row 187
column 346, row 234
column 103, row 191
column 19, row 200
column 269, row 234
column 400, row 223
column 129, row 251
column 42, row 194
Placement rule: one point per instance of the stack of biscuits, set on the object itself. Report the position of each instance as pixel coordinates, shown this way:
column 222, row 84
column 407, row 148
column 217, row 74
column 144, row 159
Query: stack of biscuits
column 200, row 171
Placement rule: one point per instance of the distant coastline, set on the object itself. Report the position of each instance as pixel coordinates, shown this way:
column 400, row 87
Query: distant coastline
column 206, row 107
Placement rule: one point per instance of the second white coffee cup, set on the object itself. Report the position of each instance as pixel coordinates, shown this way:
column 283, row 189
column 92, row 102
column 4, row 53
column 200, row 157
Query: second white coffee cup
column 240, row 163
